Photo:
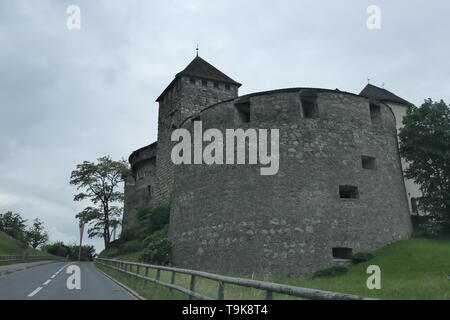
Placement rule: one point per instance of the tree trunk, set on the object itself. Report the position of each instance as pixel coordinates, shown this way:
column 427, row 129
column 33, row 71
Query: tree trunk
column 106, row 227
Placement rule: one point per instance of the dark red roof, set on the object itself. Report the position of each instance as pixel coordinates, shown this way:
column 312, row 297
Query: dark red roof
column 200, row 68
column 374, row 92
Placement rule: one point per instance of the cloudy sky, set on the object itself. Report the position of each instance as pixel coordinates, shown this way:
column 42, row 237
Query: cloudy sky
column 73, row 95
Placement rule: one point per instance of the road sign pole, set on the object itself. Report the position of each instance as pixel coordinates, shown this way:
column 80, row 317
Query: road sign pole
column 81, row 240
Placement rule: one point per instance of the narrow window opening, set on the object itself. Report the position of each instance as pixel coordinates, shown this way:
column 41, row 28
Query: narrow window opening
column 192, row 80
column 216, row 85
column 342, row 253
column 243, row 112
column 368, row 163
column 375, row 114
column 348, row 192
column 227, row 87
column 309, row 107
column 204, row 83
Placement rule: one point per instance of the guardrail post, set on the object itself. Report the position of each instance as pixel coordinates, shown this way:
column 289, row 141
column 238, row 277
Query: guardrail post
column 269, row 295
column 172, row 279
column 146, row 274
column 192, row 286
column 137, row 270
column 158, row 274
column 221, row 294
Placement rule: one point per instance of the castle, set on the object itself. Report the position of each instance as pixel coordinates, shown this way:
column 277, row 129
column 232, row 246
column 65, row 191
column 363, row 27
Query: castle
column 339, row 189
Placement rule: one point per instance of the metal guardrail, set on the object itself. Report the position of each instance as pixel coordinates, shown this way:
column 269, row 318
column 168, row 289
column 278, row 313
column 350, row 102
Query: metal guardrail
column 268, row 287
column 26, row 258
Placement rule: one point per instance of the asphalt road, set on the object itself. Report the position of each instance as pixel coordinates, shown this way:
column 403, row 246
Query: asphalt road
column 49, row 282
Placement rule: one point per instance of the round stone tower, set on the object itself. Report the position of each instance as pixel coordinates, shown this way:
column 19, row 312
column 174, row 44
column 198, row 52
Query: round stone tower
column 339, row 189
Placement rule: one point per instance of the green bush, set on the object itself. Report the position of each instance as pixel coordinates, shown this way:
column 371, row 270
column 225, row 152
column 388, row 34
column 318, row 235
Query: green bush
column 361, row 257
column 155, row 236
column 331, row 272
column 130, row 247
column 158, row 249
column 152, row 220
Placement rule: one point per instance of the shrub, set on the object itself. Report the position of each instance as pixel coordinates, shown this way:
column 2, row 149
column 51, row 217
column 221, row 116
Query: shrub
column 158, row 249
column 155, row 236
column 331, row 272
column 152, row 220
column 361, row 257
column 130, row 247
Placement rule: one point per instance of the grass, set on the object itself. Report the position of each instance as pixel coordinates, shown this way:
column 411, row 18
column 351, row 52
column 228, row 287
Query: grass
column 12, row 247
column 410, row 269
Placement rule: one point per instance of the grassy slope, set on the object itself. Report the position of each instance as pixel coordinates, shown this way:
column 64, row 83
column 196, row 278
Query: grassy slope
column 411, row 269
column 11, row 247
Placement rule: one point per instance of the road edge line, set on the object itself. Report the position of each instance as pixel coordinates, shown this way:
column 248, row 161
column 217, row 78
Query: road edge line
column 129, row 290
column 7, row 273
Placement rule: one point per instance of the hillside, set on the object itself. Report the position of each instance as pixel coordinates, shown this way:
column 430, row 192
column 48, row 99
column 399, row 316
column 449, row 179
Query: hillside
column 10, row 246
column 410, row 269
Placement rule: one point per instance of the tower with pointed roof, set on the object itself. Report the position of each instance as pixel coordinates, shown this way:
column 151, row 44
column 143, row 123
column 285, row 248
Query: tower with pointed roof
column 398, row 106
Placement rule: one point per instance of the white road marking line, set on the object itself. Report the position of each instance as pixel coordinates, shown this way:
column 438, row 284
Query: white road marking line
column 47, row 282
column 34, row 292
column 53, row 276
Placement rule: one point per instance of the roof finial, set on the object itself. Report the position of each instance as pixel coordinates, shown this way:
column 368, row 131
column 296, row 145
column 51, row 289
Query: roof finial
column 197, row 50
column 368, row 80
column 382, row 85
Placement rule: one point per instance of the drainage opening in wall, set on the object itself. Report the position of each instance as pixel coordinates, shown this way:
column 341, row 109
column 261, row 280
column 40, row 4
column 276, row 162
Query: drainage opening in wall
column 342, row 253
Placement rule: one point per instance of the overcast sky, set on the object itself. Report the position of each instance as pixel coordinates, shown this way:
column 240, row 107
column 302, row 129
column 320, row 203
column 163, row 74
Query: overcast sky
column 72, row 95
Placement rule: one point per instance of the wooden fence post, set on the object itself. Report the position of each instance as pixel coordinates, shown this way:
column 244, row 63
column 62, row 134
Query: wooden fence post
column 221, row 294
column 172, row 279
column 192, row 286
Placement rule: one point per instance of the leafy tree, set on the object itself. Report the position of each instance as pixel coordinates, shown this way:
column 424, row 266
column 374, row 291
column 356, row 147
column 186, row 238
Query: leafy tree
column 425, row 144
column 36, row 235
column 99, row 182
column 57, row 249
column 14, row 225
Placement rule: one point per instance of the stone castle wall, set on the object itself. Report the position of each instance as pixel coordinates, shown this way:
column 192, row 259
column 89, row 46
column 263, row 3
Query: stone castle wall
column 230, row 219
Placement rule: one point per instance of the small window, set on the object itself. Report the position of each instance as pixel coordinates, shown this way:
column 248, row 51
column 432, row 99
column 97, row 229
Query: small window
column 342, row 253
column 227, row 87
column 375, row 114
column 414, row 206
column 348, row 192
column 309, row 107
column 243, row 112
column 192, row 80
column 368, row 163
column 204, row 83
column 216, row 85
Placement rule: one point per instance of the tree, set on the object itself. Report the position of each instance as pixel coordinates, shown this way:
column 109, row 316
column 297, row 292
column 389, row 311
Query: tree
column 425, row 145
column 99, row 182
column 14, row 225
column 36, row 235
